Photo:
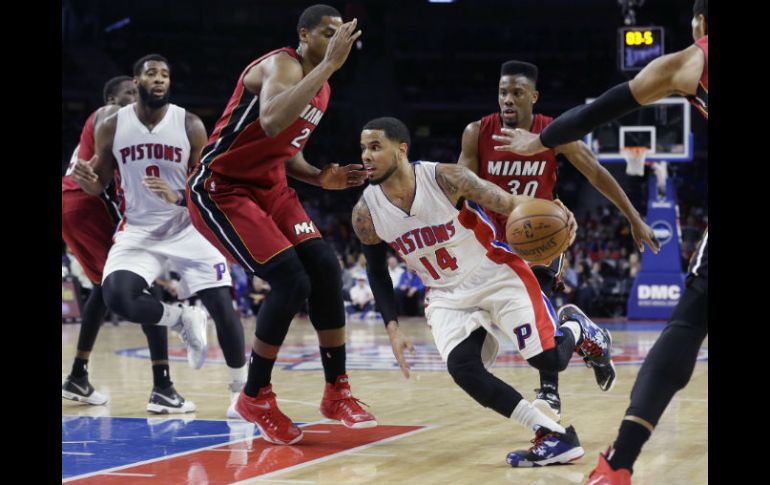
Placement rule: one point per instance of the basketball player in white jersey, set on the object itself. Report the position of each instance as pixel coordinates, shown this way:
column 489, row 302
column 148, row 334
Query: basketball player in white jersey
column 154, row 144
column 431, row 215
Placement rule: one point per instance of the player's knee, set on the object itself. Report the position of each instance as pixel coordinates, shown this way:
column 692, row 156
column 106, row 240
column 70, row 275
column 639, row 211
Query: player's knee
column 290, row 280
column 320, row 261
column 119, row 290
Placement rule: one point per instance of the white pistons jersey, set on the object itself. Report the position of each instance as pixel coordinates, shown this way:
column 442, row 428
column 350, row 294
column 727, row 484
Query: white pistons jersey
column 435, row 240
column 163, row 152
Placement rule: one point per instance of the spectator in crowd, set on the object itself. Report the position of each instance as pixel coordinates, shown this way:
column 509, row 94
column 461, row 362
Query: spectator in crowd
column 409, row 295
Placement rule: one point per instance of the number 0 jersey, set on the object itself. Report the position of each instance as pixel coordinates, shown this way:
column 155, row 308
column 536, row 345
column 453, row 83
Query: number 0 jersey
column 163, row 152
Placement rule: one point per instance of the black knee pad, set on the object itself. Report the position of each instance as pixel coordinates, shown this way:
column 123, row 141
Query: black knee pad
column 326, row 305
column 289, row 288
column 120, row 289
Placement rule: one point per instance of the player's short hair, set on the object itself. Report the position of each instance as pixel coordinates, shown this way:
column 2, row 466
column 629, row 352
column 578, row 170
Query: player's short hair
column 312, row 15
column 111, row 86
column 395, row 129
column 512, row 68
column 701, row 7
column 139, row 65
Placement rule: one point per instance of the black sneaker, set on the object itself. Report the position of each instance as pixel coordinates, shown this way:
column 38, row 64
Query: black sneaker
column 547, row 402
column 79, row 389
column 168, row 401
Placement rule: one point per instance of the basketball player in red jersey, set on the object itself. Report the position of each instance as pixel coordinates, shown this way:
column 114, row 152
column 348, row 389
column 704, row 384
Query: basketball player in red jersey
column 239, row 200
column 535, row 176
column 670, row 363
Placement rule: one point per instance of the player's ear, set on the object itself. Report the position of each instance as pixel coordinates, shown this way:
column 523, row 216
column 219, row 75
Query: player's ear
column 403, row 148
column 535, row 96
column 303, row 35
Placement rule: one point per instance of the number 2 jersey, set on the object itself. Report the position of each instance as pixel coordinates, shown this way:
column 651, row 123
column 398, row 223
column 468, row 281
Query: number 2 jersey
column 533, row 175
column 446, row 247
column 239, row 148
column 163, row 152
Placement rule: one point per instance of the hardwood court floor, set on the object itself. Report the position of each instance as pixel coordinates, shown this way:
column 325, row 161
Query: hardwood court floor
column 437, row 435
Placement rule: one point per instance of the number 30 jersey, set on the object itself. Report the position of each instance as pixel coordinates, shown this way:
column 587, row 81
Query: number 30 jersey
column 163, row 152
column 440, row 243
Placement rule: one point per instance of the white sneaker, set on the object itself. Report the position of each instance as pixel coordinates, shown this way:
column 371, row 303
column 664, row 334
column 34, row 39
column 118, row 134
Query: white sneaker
column 235, row 391
column 81, row 390
column 192, row 330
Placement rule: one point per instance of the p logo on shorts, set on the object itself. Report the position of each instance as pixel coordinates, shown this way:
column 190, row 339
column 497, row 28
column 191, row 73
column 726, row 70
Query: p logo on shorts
column 523, row 332
column 221, row 270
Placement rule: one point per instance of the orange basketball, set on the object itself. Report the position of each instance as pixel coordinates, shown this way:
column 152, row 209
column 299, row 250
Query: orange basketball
column 537, row 230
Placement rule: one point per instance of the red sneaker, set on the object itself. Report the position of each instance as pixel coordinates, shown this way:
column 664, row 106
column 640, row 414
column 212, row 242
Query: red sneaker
column 338, row 403
column 603, row 474
column 262, row 410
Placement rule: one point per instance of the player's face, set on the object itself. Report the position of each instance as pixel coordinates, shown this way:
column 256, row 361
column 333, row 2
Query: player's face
column 154, row 84
column 698, row 27
column 516, row 95
column 379, row 155
column 317, row 39
column 126, row 93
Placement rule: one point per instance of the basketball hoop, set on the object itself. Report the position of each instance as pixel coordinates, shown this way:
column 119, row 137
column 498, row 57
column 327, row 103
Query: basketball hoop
column 635, row 157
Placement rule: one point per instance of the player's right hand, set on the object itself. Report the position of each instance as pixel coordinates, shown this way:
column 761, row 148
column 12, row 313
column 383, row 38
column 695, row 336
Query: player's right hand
column 83, row 171
column 340, row 44
column 399, row 342
column 570, row 221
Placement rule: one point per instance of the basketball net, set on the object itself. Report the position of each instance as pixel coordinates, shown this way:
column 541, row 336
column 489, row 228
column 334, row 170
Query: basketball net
column 635, row 157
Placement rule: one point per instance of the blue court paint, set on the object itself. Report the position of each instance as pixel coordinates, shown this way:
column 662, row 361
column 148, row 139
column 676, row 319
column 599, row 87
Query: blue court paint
column 91, row 444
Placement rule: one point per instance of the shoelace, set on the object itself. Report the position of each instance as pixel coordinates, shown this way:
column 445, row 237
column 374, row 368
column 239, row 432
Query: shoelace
column 591, row 348
column 351, row 407
column 538, row 440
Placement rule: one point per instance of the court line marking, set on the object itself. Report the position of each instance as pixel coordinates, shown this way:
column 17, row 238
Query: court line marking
column 78, row 453
column 77, row 442
column 116, row 474
column 322, row 459
column 166, row 457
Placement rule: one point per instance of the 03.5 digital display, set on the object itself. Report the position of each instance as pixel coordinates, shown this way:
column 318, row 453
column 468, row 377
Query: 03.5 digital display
column 638, row 46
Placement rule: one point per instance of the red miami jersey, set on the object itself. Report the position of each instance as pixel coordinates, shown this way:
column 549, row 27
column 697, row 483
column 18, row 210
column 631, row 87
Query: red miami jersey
column 701, row 98
column 239, row 148
column 533, row 175
column 84, row 151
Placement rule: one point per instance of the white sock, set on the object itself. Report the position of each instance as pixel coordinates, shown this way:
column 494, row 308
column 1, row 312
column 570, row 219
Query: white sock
column 239, row 375
column 172, row 313
column 575, row 328
column 532, row 418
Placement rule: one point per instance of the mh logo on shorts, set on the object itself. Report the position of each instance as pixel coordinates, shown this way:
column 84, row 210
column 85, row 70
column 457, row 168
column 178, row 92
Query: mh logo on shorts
column 221, row 270
column 303, row 228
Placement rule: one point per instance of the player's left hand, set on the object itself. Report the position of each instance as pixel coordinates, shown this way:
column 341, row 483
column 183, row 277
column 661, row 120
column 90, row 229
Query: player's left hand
column 519, row 141
column 161, row 188
column 642, row 233
column 334, row 177
column 571, row 223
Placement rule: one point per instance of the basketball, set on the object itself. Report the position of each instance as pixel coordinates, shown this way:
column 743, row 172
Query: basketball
column 537, row 230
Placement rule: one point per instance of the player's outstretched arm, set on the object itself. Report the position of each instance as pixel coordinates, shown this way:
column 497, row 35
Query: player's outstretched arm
column 676, row 73
column 374, row 250
column 584, row 160
column 332, row 177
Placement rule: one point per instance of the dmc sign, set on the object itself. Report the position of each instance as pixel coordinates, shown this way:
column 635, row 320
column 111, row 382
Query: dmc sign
column 663, row 231
column 658, row 292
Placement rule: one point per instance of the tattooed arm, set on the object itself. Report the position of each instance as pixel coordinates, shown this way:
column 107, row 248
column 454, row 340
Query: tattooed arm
column 457, row 181
column 375, row 251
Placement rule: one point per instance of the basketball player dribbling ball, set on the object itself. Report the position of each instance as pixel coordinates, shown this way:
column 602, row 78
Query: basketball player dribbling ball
column 431, row 215
column 535, row 176
column 671, row 361
column 241, row 202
